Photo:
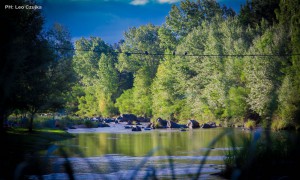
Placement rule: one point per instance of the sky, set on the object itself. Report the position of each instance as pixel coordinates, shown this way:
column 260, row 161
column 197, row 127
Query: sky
column 109, row 19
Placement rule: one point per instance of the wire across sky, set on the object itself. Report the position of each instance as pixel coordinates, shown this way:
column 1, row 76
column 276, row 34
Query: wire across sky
column 184, row 54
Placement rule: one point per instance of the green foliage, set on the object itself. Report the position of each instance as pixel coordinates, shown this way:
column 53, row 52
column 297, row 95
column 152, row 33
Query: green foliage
column 99, row 77
column 190, row 14
column 167, row 100
column 86, row 59
column 88, row 104
column 108, row 85
column 236, row 105
column 289, row 99
column 125, row 102
column 167, row 38
column 140, row 40
column 262, row 75
column 279, row 124
column 254, row 11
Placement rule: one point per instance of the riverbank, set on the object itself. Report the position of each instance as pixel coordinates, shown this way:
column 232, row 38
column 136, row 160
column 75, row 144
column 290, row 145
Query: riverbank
column 19, row 147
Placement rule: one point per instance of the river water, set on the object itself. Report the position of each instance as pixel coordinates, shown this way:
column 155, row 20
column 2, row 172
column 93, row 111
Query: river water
column 118, row 153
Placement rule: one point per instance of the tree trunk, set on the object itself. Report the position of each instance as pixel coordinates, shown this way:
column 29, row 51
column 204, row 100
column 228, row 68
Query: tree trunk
column 30, row 127
column 2, row 120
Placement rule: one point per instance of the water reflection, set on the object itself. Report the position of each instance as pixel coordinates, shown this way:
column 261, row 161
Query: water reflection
column 187, row 143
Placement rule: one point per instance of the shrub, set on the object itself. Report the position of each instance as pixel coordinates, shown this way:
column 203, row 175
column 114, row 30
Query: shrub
column 278, row 124
column 250, row 124
column 262, row 156
column 90, row 124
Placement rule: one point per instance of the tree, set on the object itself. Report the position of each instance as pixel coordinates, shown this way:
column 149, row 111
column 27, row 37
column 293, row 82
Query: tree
column 45, row 87
column 289, row 100
column 87, row 55
column 141, row 42
column 263, row 76
column 108, row 84
column 255, row 10
column 21, row 33
column 190, row 14
column 94, row 62
column 125, row 102
column 167, row 99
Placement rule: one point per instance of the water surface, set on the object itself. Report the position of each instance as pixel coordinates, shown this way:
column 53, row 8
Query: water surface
column 119, row 153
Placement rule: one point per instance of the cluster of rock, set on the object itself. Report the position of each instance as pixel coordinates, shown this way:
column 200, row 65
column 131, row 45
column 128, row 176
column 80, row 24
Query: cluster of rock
column 133, row 122
column 131, row 118
column 192, row 124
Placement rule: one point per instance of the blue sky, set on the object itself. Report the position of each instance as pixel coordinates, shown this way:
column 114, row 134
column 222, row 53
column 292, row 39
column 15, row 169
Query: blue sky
column 109, row 19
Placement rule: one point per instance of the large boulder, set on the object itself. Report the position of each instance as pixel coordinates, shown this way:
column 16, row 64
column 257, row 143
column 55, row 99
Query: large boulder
column 119, row 119
column 172, row 124
column 160, row 123
column 205, row 126
column 208, row 125
column 128, row 117
column 212, row 124
column 192, row 124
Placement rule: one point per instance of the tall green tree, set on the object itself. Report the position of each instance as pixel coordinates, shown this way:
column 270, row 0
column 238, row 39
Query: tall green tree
column 142, row 42
column 263, row 75
column 94, row 62
column 22, row 49
column 86, row 58
column 45, row 87
column 168, row 100
column 289, row 100
column 108, row 85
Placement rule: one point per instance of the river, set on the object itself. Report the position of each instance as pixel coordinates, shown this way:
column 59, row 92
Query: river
column 118, row 153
